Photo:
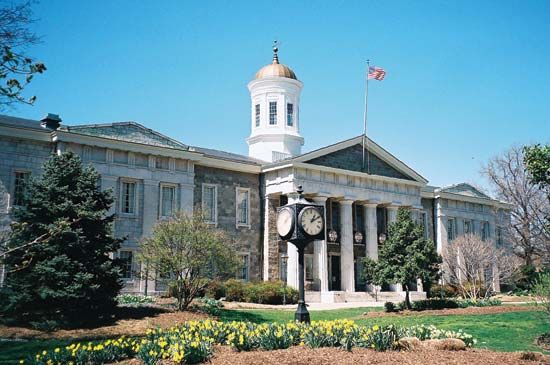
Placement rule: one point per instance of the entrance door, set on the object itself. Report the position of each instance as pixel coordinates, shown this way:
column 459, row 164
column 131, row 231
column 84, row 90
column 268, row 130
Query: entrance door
column 335, row 273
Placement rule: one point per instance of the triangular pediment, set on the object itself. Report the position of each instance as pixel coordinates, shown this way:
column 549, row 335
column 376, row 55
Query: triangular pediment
column 464, row 189
column 348, row 155
column 127, row 132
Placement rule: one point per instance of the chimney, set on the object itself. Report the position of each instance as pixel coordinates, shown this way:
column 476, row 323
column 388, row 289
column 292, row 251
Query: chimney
column 51, row 121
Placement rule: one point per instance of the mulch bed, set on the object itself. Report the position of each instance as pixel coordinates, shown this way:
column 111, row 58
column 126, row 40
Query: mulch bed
column 332, row 356
column 457, row 311
column 127, row 327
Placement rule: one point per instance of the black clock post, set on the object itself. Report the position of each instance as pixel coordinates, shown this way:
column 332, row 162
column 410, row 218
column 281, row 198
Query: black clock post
column 301, row 222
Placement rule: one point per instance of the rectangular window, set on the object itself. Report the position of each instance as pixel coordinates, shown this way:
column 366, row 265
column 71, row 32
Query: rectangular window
column 424, row 223
column 243, row 269
column 468, row 227
column 289, row 115
column 257, row 114
column 485, row 230
column 167, row 201
column 243, row 207
column 21, row 180
column 451, row 229
column 209, row 203
column 126, row 264
column 128, row 197
column 308, row 263
column 500, row 239
column 272, row 112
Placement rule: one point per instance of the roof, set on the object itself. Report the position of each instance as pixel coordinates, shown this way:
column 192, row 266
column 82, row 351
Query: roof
column 127, row 132
column 22, row 123
column 227, row 155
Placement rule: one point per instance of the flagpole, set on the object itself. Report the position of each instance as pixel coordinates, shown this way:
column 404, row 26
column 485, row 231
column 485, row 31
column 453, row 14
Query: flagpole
column 365, row 118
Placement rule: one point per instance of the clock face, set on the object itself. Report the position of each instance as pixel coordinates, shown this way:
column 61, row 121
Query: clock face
column 311, row 221
column 285, row 222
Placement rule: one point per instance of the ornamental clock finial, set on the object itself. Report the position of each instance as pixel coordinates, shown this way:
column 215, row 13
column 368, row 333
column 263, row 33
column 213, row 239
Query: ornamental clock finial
column 275, row 50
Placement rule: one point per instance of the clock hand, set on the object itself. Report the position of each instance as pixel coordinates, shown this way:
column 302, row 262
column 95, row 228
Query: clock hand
column 315, row 218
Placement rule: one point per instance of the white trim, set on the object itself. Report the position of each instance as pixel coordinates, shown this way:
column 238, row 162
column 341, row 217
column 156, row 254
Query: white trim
column 215, row 203
column 237, row 224
column 229, row 165
column 44, row 136
column 128, row 180
column 174, row 198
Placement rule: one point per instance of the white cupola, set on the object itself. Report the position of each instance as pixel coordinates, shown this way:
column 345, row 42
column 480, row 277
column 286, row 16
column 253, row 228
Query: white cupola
column 275, row 122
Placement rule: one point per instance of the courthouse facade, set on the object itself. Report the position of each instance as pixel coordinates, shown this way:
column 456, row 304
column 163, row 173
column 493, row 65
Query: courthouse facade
column 152, row 176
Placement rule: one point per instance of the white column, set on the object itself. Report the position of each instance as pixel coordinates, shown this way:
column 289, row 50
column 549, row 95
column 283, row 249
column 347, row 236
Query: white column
column 392, row 213
column 371, row 225
column 320, row 250
column 292, row 266
column 346, row 246
column 441, row 229
column 150, row 217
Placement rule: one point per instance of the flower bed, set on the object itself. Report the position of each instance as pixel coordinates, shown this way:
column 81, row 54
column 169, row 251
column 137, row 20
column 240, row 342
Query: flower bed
column 193, row 341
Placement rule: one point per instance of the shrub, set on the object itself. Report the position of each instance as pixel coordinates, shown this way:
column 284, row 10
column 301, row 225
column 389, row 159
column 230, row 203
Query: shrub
column 443, row 291
column 134, row 300
column 215, row 289
column 389, row 307
column 434, row 303
column 489, row 302
column 209, row 306
column 541, row 290
column 263, row 292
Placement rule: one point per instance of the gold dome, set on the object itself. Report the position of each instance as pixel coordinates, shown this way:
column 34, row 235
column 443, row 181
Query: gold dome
column 275, row 69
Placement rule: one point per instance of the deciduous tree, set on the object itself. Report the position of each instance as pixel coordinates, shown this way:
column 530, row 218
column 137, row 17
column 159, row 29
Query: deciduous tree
column 511, row 183
column 187, row 253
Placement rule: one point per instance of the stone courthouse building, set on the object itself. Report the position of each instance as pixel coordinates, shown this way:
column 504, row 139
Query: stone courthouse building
column 152, row 176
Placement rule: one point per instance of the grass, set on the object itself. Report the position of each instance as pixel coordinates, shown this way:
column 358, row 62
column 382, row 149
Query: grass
column 511, row 331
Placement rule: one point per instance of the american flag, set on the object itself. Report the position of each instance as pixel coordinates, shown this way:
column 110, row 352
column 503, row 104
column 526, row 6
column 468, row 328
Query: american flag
column 377, row 73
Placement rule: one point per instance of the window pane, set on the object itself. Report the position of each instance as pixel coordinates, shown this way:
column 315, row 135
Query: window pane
column 167, row 201
column 21, row 180
column 126, row 263
column 272, row 112
column 289, row 114
column 209, row 203
column 242, row 206
column 128, row 197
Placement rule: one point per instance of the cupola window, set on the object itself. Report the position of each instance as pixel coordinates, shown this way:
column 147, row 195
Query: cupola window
column 289, row 114
column 272, row 112
column 257, row 114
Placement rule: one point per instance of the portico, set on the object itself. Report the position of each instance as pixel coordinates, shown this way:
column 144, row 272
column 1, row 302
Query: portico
column 358, row 207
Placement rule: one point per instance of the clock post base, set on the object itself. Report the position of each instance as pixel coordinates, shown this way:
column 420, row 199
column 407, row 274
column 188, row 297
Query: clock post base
column 302, row 314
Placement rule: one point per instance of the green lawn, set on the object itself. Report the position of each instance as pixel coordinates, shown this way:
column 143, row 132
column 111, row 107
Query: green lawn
column 513, row 331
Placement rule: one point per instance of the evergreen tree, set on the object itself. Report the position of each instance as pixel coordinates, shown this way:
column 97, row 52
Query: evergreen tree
column 406, row 255
column 57, row 254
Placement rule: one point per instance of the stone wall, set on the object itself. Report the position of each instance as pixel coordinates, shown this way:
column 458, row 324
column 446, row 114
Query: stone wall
column 245, row 239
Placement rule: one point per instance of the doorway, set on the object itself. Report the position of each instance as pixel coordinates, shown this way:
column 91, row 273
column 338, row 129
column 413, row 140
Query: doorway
column 334, row 273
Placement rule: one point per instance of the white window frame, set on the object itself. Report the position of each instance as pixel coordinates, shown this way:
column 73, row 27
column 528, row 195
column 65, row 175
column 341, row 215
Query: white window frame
column 452, row 236
column 131, row 277
column 290, row 122
column 243, row 255
column 269, row 112
column 205, row 185
column 167, row 185
column 121, row 197
column 15, row 172
column 237, row 223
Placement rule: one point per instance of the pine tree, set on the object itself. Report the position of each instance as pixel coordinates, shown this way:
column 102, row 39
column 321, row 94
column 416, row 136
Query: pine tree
column 406, row 255
column 58, row 262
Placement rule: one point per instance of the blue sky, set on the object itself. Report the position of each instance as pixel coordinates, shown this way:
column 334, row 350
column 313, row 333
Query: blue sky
column 465, row 80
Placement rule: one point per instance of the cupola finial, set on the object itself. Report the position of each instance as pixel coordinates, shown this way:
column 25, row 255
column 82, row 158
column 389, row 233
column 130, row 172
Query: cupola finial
column 275, row 50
